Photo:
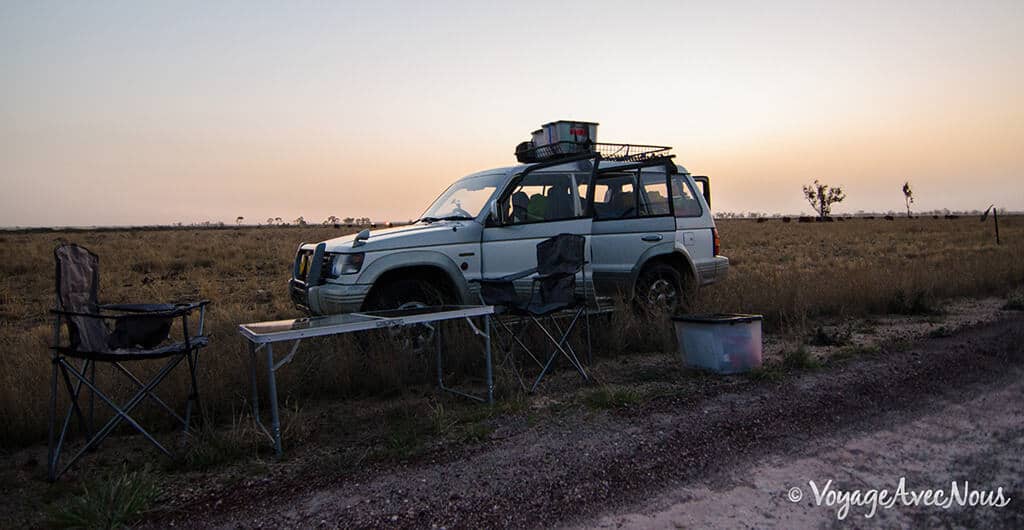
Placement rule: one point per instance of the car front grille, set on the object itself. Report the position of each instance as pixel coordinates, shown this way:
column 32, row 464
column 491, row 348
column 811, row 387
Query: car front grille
column 302, row 262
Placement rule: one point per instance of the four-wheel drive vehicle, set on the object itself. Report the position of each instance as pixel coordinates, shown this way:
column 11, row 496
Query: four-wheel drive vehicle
column 648, row 228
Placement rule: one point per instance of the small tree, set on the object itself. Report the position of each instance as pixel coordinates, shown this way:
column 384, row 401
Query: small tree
column 822, row 196
column 300, row 221
column 239, row 220
column 908, row 196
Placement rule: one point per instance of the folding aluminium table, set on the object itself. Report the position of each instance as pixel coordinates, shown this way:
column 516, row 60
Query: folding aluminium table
column 263, row 336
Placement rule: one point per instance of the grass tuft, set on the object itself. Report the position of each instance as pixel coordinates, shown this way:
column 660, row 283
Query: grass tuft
column 833, row 337
column 765, row 373
column 441, row 420
column 799, row 359
column 1015, row 301
column 111, row 501
column 914, row 302
column 941, row 331
column 212, row 448
column 475, row 433
column 607, row 397
column 853, row 351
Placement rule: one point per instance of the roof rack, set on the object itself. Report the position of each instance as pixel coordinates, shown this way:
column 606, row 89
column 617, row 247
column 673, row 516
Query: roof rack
column 526, row 152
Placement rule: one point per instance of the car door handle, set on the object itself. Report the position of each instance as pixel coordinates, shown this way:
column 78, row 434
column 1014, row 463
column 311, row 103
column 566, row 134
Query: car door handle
column 652, row 237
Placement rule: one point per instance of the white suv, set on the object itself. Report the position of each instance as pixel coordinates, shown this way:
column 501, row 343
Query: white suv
column 649, row 236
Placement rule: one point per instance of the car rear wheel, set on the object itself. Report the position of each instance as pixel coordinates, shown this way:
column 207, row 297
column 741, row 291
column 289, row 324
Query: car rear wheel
column 662, row 290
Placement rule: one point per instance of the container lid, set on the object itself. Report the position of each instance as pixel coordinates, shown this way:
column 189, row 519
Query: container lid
column 718, row 318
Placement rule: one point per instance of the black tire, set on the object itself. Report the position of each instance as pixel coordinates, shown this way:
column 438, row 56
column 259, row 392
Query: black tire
column 408, row 293
column 661, row 290
column 404, row 292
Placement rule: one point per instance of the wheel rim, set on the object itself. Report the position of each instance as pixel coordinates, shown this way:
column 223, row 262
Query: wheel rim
column 662, row 295
column 416, row 337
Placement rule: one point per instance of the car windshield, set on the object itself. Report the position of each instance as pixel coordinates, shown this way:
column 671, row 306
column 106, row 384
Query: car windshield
column 465, row 199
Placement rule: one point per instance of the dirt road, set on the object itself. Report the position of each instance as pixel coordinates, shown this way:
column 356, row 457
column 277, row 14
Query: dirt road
column 976, row 435
column 944, row 409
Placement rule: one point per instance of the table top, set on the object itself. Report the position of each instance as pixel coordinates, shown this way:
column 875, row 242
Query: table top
column 301, row 328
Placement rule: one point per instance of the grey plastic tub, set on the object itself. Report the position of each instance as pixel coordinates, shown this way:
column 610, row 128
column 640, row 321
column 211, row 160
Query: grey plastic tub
column 724, row 343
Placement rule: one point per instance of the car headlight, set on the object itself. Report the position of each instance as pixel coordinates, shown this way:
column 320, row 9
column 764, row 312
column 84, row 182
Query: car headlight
column 346, row 263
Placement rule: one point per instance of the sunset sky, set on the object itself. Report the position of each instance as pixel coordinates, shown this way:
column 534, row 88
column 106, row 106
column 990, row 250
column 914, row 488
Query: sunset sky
column 115, row 113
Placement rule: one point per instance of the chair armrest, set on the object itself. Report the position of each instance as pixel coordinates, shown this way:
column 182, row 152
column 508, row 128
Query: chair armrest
column 65, row 313
column 509, row 278
column 150, row 314
column 137, row 308
column 165, row 310
column 191, row 305
column 542, row 277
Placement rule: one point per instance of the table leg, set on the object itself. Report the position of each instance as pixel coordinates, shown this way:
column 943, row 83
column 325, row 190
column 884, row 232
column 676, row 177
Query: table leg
column 487, row 359
column 439, row 346
column 275, row 420
column 252, row 380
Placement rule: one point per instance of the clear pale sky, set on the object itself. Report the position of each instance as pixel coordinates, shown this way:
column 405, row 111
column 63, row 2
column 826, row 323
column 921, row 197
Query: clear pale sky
column 153, row 113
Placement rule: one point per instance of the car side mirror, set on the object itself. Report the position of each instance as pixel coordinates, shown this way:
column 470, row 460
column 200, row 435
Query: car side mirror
column 496, row 213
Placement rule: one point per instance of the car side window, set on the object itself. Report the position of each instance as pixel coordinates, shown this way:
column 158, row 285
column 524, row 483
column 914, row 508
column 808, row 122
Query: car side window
column 654, row 199
column 615, row 197
column 684, row 201
column 541, row 197
column 621, row 196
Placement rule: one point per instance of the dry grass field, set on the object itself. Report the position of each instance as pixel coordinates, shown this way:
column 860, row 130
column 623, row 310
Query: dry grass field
column 789, row 272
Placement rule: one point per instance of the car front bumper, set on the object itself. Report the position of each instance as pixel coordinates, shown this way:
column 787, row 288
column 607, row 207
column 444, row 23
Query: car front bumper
column 328, row 298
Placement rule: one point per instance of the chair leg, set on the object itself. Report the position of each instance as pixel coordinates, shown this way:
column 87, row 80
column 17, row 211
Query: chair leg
column 92, row 396
column 120, row 413
column 66, row 424
column 586, row 323
column 509, row 359
column 51, row 456
column 523, row 327
column 559, row 348
column 193, row 396
column 150, row 395
column 564, row 346
column 73, row 393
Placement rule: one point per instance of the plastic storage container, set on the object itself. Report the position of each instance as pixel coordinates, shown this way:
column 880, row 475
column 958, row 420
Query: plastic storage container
column 721, row 343
column 579, row 132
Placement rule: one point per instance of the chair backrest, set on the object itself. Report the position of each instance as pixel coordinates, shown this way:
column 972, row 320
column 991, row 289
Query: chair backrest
column 561, row 254
column 78, row 281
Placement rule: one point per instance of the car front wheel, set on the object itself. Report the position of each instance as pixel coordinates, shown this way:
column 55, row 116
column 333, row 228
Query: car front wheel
column 408, row 294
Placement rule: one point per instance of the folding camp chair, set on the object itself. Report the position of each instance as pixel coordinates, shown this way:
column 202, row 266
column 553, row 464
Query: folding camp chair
column 552, row 294
column 139, row 332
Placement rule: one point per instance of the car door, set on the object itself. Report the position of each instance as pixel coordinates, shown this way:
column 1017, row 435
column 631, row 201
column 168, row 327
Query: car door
column 632, row 215
column 536, row 206
column 694, row 227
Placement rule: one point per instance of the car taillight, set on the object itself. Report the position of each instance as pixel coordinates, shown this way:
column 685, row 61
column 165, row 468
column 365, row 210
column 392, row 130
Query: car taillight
column 718, row 242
